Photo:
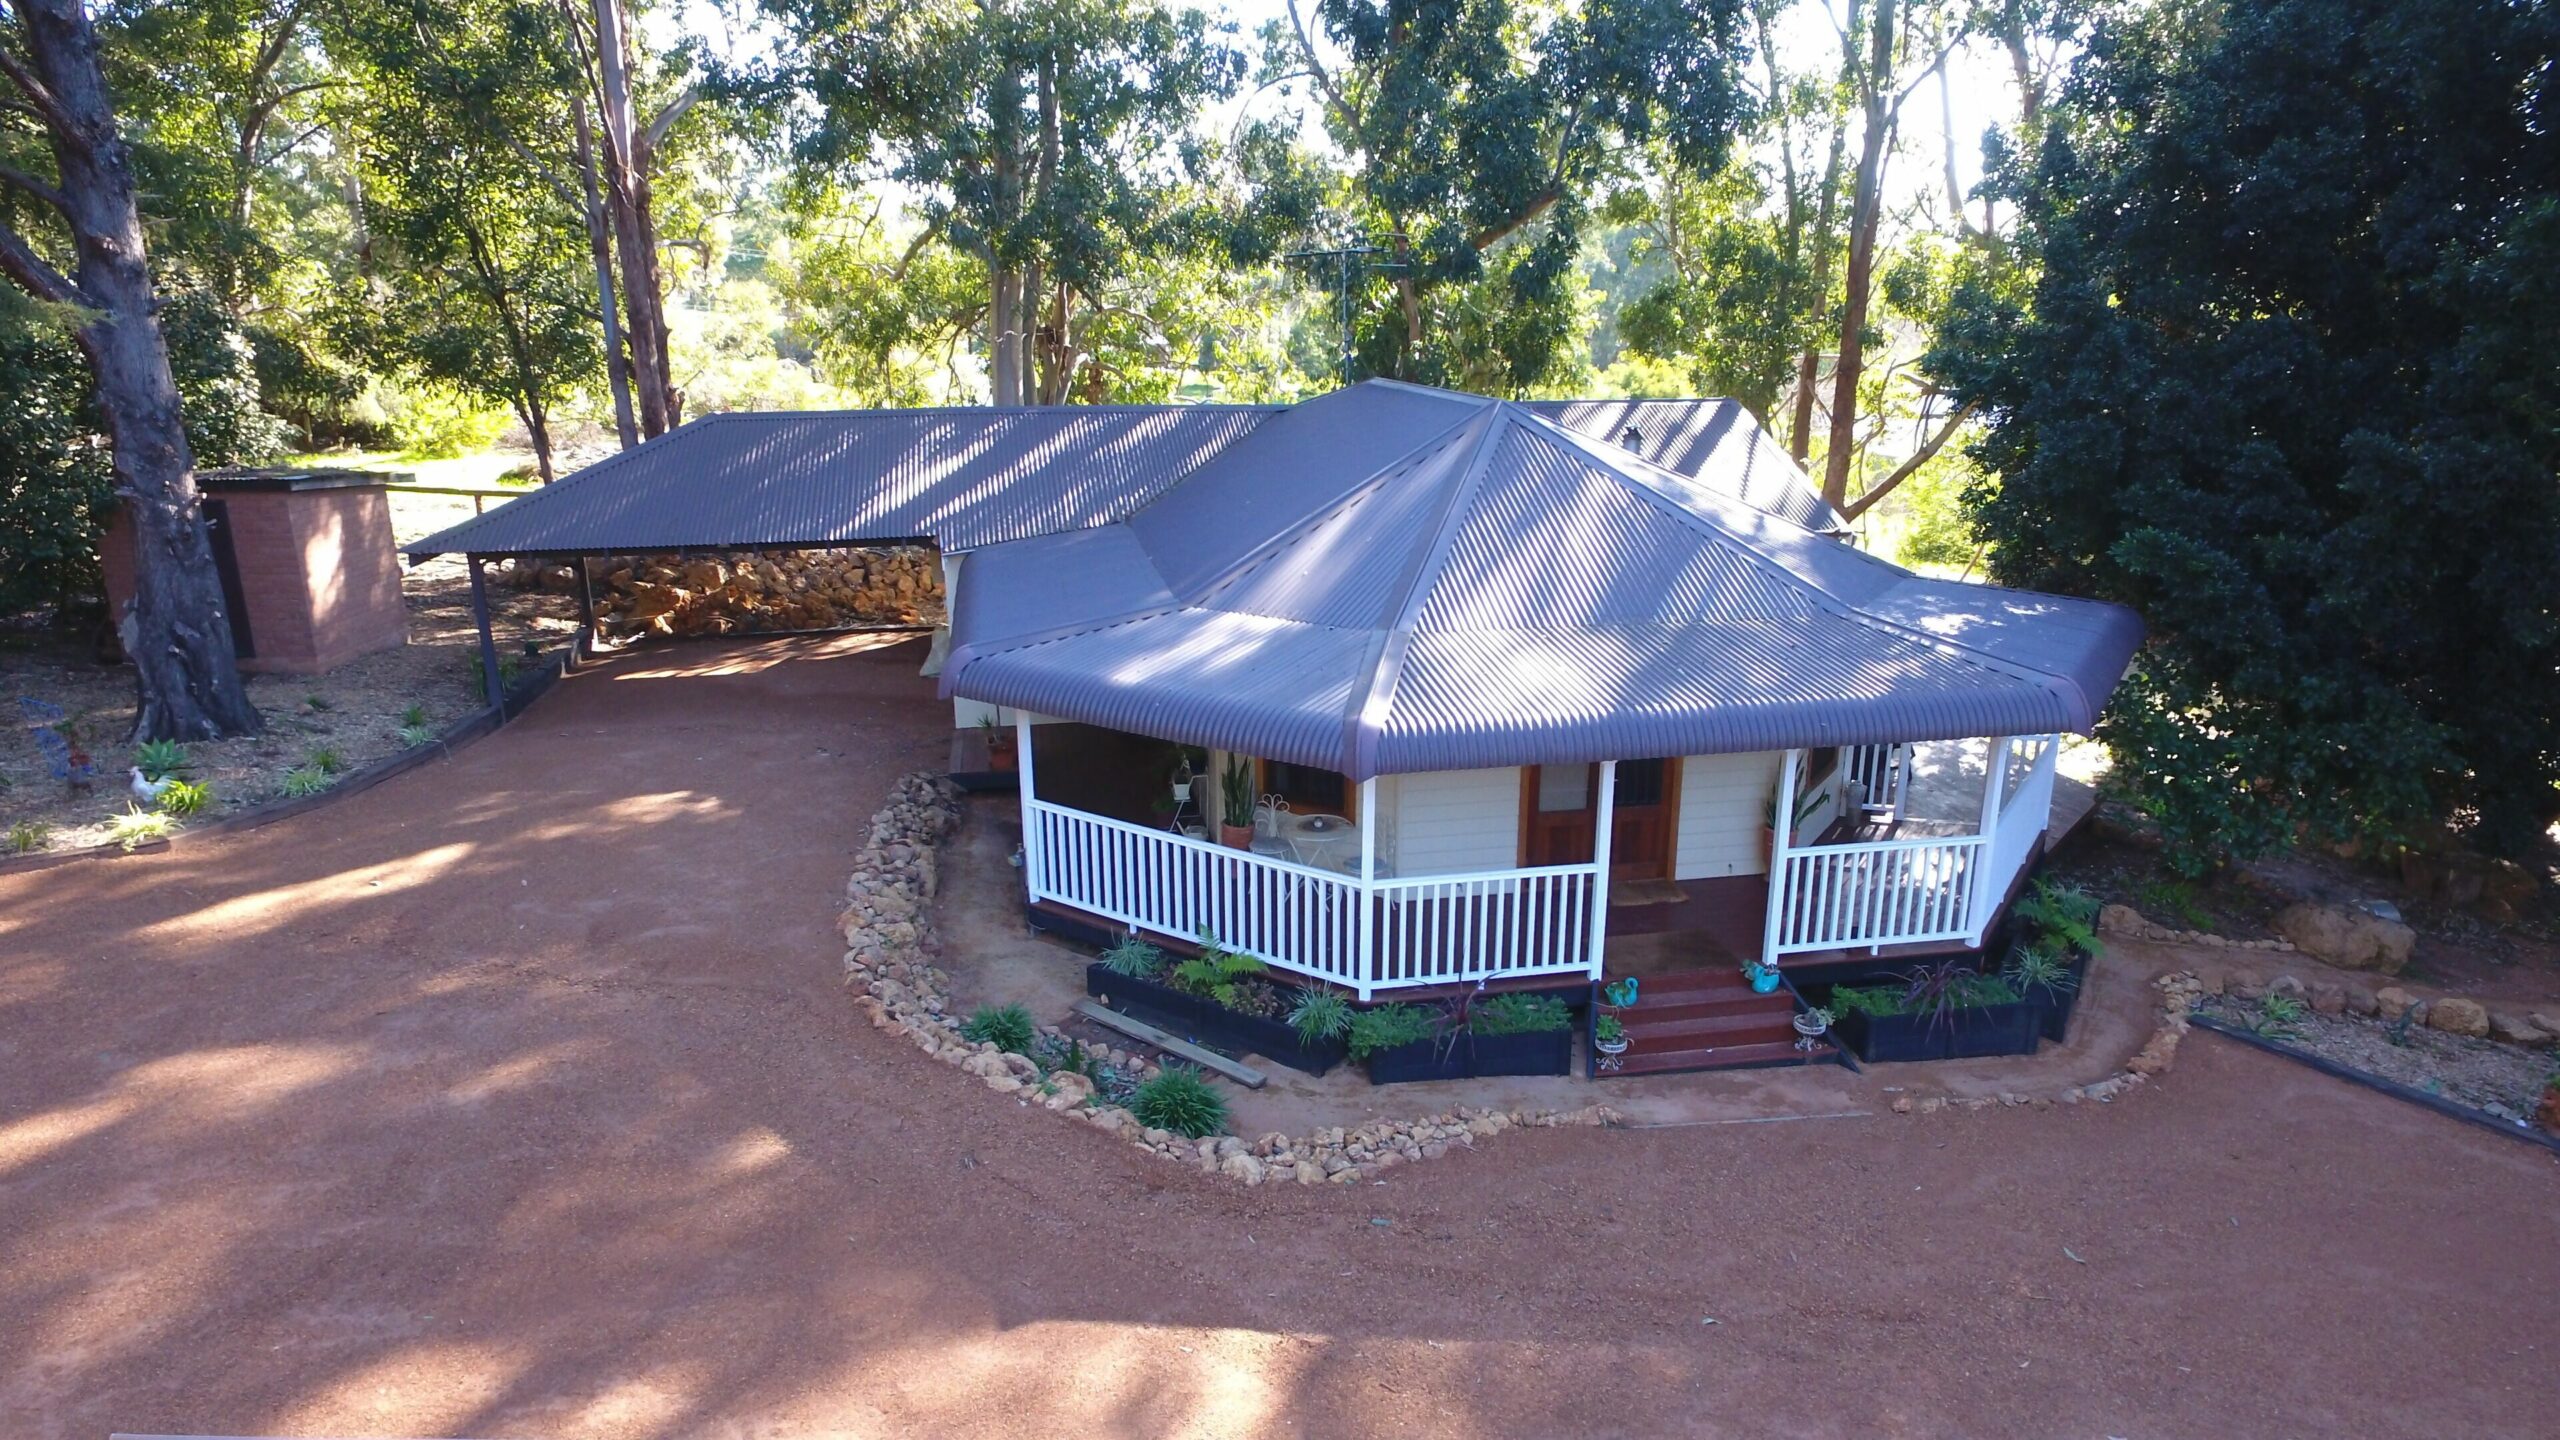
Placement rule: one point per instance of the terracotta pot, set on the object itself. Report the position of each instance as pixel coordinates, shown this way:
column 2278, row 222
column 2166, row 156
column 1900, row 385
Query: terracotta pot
column 1001, row 757
column 1236, row 837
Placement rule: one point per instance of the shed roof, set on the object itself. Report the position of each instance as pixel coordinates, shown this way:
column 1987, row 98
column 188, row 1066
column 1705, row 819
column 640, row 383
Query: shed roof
column 1392, row 579
column 969, row 477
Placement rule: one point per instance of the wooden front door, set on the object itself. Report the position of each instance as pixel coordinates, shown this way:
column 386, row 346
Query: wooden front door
column 1560, row 817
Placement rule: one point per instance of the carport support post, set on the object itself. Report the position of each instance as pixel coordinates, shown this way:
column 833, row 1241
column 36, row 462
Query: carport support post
column 488, row 642
column 586, row 608
column 1606, row 822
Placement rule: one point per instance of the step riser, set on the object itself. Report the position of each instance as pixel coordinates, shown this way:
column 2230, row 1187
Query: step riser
column 1691, row 1038
column 1651, row 1014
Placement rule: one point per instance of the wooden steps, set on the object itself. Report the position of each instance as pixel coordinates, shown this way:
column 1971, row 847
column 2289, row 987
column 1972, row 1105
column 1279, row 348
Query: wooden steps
column 1710, row 1019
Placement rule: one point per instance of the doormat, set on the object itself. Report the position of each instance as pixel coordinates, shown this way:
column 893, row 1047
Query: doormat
column 1623, row 893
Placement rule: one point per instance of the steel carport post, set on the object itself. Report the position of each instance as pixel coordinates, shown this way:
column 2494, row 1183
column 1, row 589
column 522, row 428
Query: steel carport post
column 488, row 643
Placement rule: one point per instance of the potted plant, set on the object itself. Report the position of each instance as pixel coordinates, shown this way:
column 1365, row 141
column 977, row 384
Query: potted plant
column 1469, row 1038
column 2055, row 935
column 1619, row 994
column 1763, row 978
column 1937, row 1012
column 1235, row 804
column 1811, row 1025
column 999, row 738
column 1609, row 1037
column 1225, row 999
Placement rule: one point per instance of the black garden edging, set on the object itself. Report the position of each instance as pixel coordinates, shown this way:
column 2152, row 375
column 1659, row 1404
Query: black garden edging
column 1471, row 1056
column 1206, row 1022
column 2438, row 1103
column 460, row 733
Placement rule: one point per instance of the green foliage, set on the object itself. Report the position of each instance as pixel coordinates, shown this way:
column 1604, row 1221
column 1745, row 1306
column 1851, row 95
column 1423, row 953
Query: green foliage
column 54, row 483
column 1933, row 992
column 1178, row 1098
column 217, row 375
column 324, row 758
column 1385, row 1027
column 2279, row 1017
column 183, row 798
column 136, row 828
column 2064, row 914
column 1518, row 1015
column 413, row 715
column 1320, row 1015
column 1133, row 958
column 1007, row 1027
column 1216, row 973
column 2178, row 898
column 304, row 780
column 159, row 758
column 1235, row 792
column 1608, row 1030
column 437, row 421
column 413, row 736
column 2030, row 966
column 29, row 836
column 2285, row 385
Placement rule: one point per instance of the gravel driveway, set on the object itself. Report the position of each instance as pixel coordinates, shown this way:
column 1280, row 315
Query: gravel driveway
column 516, row 1097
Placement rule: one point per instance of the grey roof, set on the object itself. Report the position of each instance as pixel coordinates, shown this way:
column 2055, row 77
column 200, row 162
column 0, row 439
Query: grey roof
column 965, row 477
column 1394, row 579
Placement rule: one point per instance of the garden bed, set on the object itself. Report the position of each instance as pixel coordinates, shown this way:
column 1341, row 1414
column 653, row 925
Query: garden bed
column 2502, row 1081
column 1469, row 1056
column 1203, row 1021
column 1972, row 1032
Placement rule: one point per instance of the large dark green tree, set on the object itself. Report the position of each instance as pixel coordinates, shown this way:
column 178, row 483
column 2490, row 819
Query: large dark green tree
column 2286, row 384
column 1476, row 124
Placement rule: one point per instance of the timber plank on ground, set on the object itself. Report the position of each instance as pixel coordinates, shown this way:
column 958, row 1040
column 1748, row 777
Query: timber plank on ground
column 1240, row 1073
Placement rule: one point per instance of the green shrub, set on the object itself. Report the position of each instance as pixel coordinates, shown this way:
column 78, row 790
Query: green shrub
column 1388, row 1026
column 1519, row 1015
column 1133, row 959
column 413, row 715
column 1178, row 1098
column 304, row 780
column 1320, row 1015
column 1007, row 1027
column 2064, row 913
column 29, row 836
column 1216, row 972
column 184, row 797
column 413, row 736
column 324, row 758
column 159, row 759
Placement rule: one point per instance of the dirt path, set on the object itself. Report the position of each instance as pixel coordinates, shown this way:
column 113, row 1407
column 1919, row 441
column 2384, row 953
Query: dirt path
column 515, row 1097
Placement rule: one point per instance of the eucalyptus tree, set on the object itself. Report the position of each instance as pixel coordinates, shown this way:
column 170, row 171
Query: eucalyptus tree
column 1052, row 141
column 73, row 240
column 1467, row 124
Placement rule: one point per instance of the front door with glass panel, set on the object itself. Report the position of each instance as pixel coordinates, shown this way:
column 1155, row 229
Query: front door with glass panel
column 1562, row 816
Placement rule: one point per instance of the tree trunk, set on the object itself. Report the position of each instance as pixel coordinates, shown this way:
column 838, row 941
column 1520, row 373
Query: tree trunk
column 635, row 233
column 1865, row 213
column 617, row 364
column 186, row 681
column 1004, row 333
column 1826, row 215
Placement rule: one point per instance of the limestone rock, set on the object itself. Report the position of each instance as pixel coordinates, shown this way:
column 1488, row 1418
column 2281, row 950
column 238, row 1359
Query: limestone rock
column 2328, row 999
column 2347, row 937
column 2457, row 1016
column 2391, row 1002
column 2508, row 1027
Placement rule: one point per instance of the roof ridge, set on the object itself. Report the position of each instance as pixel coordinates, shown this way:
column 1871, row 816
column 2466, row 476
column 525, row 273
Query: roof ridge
column 1384, row 663
column 418, row 549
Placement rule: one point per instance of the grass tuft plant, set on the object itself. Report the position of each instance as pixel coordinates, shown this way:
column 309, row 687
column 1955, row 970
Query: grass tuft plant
column 413, row 715
column 1178, row 1098
column 136, row 828
column 413, row 736
column 1133, row 959
column 29, row 836
column 1320, row 1015
column 327, row 759
column 1007, row 1027
column 304, row 780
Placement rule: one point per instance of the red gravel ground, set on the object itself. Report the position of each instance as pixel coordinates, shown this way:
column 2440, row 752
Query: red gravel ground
column 517, row 1097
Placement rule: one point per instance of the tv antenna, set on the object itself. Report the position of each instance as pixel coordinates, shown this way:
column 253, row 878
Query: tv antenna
column 1351, row 264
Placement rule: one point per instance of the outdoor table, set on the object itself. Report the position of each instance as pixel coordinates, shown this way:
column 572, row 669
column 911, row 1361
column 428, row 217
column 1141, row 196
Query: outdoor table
column 1315, row 839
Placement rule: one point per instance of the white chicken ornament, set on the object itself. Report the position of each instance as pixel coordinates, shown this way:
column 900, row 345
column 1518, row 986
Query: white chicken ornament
column 148, row 791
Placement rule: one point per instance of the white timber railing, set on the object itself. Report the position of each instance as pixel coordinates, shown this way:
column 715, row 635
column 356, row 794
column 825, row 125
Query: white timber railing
column 1879, row 772
column 1869, row 894
column 1360, row 931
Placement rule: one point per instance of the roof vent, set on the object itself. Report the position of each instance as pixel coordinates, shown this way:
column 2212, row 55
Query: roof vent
column 1631, row 437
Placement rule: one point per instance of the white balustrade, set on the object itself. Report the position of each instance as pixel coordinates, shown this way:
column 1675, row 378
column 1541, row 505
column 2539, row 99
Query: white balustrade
column 1424, row 931
column 1877, row 892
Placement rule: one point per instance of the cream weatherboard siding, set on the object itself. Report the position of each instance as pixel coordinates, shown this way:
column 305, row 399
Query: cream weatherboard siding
column 1449, row 822
column 1724, row 802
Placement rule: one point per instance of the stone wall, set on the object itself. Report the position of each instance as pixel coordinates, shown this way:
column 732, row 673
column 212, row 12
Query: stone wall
column 752, row 592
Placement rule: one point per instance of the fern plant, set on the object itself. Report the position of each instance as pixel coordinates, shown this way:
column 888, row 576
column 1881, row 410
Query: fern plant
column 2062, row 912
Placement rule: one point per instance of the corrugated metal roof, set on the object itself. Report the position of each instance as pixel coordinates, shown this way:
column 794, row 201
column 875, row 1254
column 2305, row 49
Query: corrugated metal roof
column 1396, row 579
column 965, row 478
column 961, row 477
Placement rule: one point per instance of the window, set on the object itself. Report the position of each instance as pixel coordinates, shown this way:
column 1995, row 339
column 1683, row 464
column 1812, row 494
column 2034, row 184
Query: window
column 1308, row 789
column 1640, row 782
column 1563, row 788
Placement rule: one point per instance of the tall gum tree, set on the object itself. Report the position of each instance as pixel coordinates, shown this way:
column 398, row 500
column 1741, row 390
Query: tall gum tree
column 187, row 683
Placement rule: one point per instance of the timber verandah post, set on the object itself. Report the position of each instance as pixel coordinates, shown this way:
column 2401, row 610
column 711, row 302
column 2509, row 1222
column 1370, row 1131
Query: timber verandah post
column 1368, row 888
column 1031, row 877
column 1988, row 887
column 1605, row 822
column 1781, row 831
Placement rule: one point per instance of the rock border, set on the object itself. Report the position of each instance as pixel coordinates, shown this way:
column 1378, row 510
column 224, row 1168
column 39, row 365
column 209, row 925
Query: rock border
column 2134, row 925
column 2178, row 992
column 887, row 924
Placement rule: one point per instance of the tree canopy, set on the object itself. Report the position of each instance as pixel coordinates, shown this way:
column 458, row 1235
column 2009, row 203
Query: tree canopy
column 2285, row 384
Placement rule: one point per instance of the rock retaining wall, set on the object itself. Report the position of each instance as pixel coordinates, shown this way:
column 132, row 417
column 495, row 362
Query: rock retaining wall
column 887, row 927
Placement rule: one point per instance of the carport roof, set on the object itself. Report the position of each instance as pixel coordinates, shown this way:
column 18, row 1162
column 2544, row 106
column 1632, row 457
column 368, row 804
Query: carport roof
column 969, row 477
column 1393, row 579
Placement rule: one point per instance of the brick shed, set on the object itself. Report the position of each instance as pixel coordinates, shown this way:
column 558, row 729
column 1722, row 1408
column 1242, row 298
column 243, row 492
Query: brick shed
column 309, row 569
